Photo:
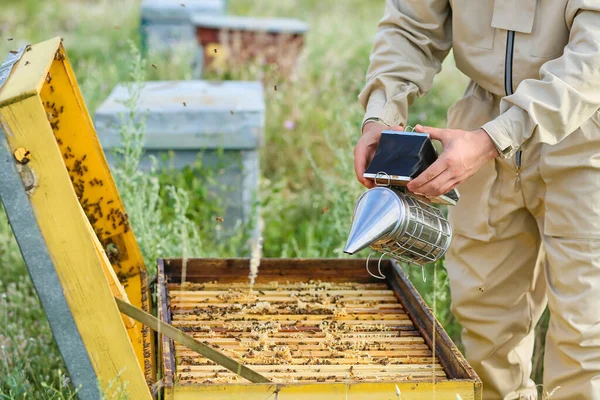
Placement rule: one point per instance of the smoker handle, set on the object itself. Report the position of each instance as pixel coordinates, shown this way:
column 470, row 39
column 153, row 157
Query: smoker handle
column 179, row 336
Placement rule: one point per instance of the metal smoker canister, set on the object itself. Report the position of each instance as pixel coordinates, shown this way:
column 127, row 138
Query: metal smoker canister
column 399, row 225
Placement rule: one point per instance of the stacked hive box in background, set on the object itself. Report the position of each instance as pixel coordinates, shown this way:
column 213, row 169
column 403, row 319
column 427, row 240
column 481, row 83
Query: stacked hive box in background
column 240, row 40
column 165, row 27
column 221, row 122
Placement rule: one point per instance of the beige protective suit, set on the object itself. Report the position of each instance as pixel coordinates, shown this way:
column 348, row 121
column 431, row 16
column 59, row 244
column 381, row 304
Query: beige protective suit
column 548, row 53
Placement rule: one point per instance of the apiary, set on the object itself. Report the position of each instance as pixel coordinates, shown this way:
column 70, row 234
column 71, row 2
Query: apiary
column 239, row 40
column 221, row 122
column 318, row 329
column 315, row 328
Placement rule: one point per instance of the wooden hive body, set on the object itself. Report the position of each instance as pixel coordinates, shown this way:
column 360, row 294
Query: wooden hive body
column 317, row 328
column 222, row 122
column 239, row 40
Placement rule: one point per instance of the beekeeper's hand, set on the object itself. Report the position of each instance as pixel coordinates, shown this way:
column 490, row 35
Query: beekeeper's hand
column 464, row 153
column 365, row 149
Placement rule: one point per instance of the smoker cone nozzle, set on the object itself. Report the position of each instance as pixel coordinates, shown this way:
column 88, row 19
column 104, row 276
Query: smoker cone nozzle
column 376, row 215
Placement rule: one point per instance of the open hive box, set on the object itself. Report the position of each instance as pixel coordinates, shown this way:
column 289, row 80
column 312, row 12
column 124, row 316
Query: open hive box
column 318, row 328
column 315, row 328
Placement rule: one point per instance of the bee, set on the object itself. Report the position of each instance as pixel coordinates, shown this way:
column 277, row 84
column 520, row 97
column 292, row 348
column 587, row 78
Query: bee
column 10, row 39
column 49, row 77
column 51, row 89
column 220, row 219
column 27, row 63
column 184, row 104
column 154, row 66
column 275, row 87
column 84, row 157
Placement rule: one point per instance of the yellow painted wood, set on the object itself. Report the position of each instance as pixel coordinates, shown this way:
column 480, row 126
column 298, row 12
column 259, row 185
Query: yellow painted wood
column 338, row 391
column 28, row 77
column 97, row 193
column 72, row 249
column 116, row 288
column 32, row 102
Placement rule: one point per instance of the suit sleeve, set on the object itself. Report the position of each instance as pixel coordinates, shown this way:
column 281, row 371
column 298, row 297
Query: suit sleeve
column 566, row 95
column 413, row 38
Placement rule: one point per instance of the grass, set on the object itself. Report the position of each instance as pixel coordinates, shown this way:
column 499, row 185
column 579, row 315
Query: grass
column 308, row 186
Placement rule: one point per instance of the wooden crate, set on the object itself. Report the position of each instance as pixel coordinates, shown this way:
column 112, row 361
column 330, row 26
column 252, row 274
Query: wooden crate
column 316, row 328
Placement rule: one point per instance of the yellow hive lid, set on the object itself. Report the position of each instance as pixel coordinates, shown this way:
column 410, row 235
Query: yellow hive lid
column 71, row 225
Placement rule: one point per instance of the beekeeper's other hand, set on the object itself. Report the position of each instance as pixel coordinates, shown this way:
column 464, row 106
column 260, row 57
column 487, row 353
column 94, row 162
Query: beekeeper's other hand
column 464, row 153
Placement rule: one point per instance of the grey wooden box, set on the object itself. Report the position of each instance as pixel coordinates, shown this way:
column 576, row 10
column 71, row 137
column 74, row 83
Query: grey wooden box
column 166, row 27
column 222, row 122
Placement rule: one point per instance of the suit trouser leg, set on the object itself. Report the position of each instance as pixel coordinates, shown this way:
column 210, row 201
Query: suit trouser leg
column 572, row 358
column 570, row 224
column 497, row 283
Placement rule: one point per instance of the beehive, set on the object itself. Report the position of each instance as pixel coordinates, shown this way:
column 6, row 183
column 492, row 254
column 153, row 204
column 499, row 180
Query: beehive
column 221, row 122
column 165, row 27
column 316, row 328
column 239, row 40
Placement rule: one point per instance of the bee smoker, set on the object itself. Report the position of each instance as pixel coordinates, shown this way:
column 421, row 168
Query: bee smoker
column 390, row 219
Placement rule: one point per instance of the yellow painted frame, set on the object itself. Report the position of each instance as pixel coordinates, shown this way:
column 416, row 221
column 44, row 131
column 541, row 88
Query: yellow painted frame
column 337, row 391
column 42, row 111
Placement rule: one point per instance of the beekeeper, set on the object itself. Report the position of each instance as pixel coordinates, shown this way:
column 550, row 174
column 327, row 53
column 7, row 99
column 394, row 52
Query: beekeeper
column 523, row 147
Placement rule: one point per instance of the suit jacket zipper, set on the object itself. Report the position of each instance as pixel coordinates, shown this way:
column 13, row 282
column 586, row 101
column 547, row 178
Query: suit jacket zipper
column 508, row 88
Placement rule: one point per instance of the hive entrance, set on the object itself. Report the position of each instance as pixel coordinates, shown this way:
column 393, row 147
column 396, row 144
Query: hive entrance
column 316, row 331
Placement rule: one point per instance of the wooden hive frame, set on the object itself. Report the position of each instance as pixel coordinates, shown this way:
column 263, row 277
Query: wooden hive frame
column 71, row 226
column 220, row 284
